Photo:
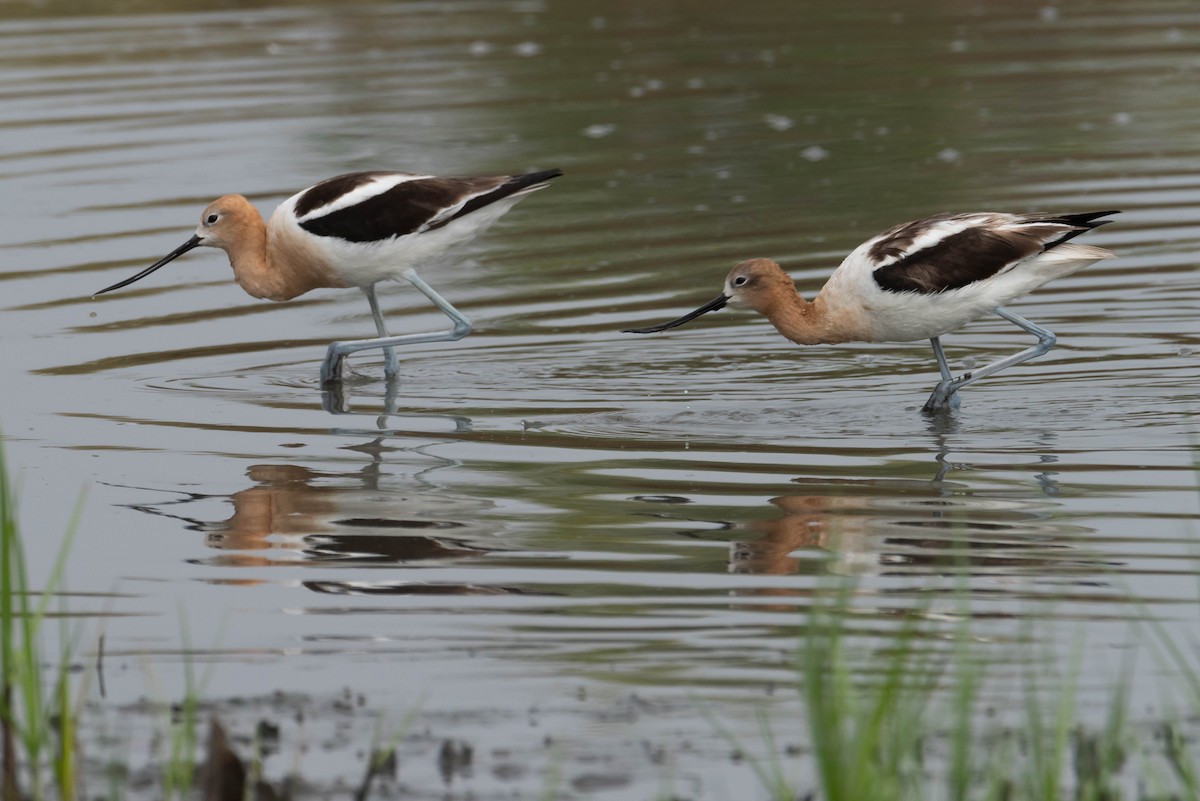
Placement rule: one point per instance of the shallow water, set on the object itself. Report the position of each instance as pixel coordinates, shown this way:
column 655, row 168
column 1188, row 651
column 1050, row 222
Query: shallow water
column 549, row 514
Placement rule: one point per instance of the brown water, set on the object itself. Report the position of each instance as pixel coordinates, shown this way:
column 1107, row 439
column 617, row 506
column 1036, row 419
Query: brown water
column 554, row 532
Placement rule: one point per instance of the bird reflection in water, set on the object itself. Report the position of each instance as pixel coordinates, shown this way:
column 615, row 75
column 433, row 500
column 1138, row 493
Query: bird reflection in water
column 900, row 527
column 294, row 515
column 288, row 506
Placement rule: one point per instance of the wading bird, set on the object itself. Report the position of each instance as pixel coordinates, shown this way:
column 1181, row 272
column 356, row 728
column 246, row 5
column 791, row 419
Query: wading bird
column 920, row 280
column 355, row 230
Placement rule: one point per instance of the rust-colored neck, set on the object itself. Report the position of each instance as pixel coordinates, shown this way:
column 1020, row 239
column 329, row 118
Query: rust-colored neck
column 800, row 321
column 269, row 261
column 252, row 268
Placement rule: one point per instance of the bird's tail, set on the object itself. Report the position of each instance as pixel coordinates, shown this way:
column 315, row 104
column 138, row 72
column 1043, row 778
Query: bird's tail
column 529, row 182
column 1079, row 223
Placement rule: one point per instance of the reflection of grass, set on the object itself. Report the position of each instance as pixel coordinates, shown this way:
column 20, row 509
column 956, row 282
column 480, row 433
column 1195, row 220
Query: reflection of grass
column 1181, row 762
column 38, row 724
column 863, row 744
column 182, row 737
column 899, row 736
column 32, row 720
column 382, row 758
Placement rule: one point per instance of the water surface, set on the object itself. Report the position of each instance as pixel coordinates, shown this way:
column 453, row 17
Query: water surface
column 552, row 531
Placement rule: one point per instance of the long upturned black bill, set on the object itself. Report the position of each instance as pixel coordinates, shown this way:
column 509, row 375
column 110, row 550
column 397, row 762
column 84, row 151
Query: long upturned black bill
column 713, row 305
column 194, row 242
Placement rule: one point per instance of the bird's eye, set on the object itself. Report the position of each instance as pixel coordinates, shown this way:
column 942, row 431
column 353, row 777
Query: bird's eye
column 212, row 218
column 740, row 280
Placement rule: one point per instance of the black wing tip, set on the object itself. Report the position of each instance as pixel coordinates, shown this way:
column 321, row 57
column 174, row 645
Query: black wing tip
column 1090, row 219
column 519, row 182
column 515, row 186
column 1082, row 222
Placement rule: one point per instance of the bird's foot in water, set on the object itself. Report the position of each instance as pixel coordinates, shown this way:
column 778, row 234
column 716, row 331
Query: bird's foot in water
column 944, row 397
column 331, row 368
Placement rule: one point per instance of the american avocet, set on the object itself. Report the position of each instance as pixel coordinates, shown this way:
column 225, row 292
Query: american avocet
column 355, row 230
column 920, row 280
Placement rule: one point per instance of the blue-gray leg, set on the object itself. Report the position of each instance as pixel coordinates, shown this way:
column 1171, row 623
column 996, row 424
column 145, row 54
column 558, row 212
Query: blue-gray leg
column 947, row 378
column 335, row 356
column 944, row 394
column 939, row 354
column 391, row 364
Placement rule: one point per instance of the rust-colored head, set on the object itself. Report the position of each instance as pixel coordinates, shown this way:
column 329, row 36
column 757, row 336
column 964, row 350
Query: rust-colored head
column 758, row 284
column 227, row 221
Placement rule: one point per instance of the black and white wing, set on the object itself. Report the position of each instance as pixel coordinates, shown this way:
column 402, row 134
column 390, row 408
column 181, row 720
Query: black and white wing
column 377, row 206
column 950, row 251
